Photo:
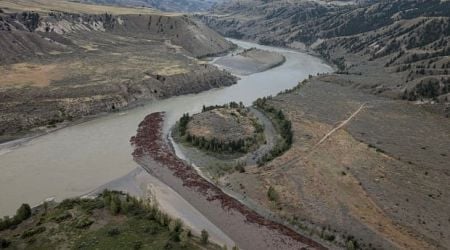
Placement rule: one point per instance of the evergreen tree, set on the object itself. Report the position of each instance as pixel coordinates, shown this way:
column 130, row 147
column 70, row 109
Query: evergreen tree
column 23, row 213
column 204, row 237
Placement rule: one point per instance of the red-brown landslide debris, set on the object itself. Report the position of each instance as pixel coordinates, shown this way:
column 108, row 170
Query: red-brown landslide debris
column 149, row 142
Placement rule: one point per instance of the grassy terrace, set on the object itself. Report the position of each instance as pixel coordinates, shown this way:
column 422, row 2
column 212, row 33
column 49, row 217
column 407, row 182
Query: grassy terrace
column 44, row 6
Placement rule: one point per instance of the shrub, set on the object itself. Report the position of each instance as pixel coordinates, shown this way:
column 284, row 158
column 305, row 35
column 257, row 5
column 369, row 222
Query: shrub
column 62, row 217
column 4, row 243
column 83, row 222
column 184, row 238
column 115, row 205
column 204, row 237
column 137, row 245
column 24, row 212
column 272, row 194
column 113, row 232
column 152, row 229
column 32, row 231
column 175, row 225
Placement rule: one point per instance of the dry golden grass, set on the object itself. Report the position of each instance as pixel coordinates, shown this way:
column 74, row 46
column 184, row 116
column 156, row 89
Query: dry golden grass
column 66, row 6
column 21, row 74
column 169, row 69
column 321, row 171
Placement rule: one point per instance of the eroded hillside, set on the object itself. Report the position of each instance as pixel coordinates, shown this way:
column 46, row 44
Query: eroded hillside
column 406, row 41
column 164, row 5
column 63, row 65
column 368, row 165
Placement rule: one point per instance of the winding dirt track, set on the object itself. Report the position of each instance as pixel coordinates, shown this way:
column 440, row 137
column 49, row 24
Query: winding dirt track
column 245, row 227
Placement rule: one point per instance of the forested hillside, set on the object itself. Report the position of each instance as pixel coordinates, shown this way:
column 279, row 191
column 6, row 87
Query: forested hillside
column 410, row 39
column 164, row 5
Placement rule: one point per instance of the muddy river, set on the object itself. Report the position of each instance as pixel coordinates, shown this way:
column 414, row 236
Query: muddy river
column 78, row 159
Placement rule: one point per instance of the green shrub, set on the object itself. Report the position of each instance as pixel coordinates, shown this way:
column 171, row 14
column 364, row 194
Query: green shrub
column 175, row 225
column 62, row 217
column 281, row 123
column 137, row 245
column 83, row 222
column 184, row 238
column 272, row 194
column 204, row 236
column 4, row 243
column 24, row 212
column 33, row 231
column 113, row 232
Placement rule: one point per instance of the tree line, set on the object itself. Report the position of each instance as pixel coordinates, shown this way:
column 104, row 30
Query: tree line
column 23, row 213
column 214, row 144
column 283, row 126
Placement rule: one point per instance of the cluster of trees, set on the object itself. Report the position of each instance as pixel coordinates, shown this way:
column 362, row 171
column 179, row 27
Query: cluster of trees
column 108, row 21
column 423, row 56
column 119, row 203
column 283, row 126
column 233, row 105
column 430, row 88
column 23, row 213
column 30, row 19
column 182, row 124
column 215, row 145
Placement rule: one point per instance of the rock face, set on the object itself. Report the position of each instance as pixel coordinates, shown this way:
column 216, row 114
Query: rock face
column 60, row 66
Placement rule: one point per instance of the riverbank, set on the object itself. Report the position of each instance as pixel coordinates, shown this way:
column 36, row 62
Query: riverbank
column 143, row 185
column 87, row 155
column 108, row 221
column 57, row 69
column 154, row 154
column 250, row 61
column 215, row 165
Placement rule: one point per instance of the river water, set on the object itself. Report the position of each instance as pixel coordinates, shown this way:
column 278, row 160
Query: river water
column 78, row 159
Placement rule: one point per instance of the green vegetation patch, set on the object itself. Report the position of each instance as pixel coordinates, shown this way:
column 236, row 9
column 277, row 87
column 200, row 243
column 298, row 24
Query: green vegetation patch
column 227, row 128
column 111, row 221
column 282, row 124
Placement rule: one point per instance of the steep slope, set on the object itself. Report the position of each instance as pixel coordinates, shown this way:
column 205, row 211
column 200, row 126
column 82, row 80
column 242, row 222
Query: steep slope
column 164, row 5
column 64, row 65
column 368, row 166
column 407, row 40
